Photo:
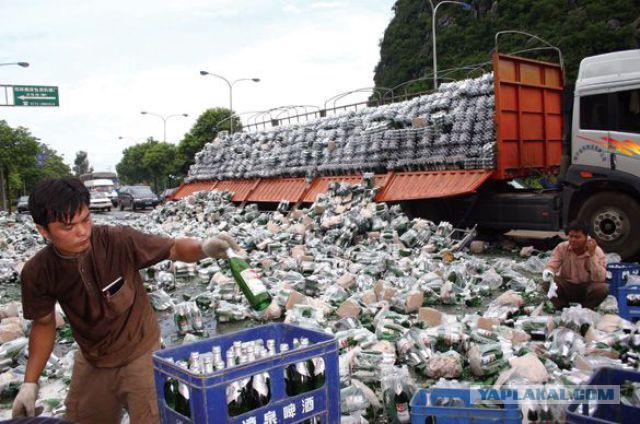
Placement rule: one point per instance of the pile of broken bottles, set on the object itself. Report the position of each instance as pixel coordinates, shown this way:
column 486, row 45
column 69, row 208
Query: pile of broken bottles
column 402, row 296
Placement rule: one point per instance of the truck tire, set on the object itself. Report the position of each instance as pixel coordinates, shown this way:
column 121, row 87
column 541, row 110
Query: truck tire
column 121, row 206
column 613, row 222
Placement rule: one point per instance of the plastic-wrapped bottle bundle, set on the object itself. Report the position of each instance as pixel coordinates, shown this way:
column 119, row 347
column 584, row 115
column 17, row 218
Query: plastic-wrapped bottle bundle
column 458, row 115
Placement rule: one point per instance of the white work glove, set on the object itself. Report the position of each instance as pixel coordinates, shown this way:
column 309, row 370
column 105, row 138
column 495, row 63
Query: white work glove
column 553, row 290
column 216, row 247
column 548, row 276
column 25, row 402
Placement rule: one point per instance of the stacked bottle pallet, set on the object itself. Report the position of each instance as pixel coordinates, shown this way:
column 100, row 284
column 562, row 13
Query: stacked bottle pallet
column 274, row 373
column 455, row 131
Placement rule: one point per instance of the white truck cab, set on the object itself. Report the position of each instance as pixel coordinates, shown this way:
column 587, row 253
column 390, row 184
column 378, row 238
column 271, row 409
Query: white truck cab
column 606, row 112
column 103, row 185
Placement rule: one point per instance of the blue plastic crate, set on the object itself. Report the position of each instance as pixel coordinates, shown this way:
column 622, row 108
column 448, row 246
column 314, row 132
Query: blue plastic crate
column 578, row 412
column 422, row 409
column 626, row 311
column 618, row 274
column 208, row 401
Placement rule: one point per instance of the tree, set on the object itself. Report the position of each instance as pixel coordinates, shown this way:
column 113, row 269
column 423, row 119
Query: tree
column 81, row 164
column 151, row 162
column 18, row 151
column 53, row 166
column 204, row 131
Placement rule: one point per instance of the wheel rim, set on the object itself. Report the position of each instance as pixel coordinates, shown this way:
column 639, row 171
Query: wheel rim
column 610, row 225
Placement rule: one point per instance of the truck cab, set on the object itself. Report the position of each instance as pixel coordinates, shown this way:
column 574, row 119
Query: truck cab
column 603, row 180
column 105, row 186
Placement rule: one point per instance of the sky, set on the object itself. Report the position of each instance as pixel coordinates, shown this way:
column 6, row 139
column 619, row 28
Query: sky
column 113, row 59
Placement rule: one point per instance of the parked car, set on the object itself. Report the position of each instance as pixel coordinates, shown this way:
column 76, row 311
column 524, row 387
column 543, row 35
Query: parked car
column 23, row 204
column 99, row 201
column 135, row 197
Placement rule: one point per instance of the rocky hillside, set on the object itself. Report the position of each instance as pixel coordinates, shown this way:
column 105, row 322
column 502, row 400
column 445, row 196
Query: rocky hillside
column 466, row 36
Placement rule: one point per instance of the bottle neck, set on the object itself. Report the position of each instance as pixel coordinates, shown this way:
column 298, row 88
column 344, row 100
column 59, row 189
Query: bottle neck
column 231, row 253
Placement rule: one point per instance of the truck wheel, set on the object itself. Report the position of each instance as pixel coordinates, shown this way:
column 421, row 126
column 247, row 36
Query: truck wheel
column 121, row 206
column 613, row 222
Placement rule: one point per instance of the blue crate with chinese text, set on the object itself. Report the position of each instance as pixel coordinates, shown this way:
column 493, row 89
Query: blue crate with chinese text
column 618, row 275
column 208, row 393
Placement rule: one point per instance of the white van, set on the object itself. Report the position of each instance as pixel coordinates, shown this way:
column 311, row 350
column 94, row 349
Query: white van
column 105, row 186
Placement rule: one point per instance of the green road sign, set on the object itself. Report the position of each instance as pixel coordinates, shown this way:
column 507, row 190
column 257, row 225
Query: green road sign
column 35, row 95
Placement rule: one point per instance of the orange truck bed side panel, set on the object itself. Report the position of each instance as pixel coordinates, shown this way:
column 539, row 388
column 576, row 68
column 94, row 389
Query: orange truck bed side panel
column 241, row 188
column 278, row 189
column 321, row 184
column 187, row 189
column 432, row 184
column 528, row 116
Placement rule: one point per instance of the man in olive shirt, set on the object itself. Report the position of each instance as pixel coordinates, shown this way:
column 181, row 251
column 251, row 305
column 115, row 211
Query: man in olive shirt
column 576, row 271
column 92, row 271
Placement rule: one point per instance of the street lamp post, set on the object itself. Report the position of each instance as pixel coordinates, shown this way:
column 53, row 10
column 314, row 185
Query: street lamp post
column 23, row 64
column 230, row 84
column 433, row 34
column 164, row 120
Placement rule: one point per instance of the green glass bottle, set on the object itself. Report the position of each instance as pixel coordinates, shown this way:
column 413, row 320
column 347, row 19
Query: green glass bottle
column 170, row 390
column 182, row 396
column 401, row 401
column 249, row 282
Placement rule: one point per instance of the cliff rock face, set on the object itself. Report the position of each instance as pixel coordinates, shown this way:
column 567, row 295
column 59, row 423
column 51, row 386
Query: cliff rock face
column 465, row 36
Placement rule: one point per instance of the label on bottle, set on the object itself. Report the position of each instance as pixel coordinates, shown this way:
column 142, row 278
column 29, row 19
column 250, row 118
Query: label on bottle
column 233, row 392
column 318, row 366
column 402, row 412
column 255, row 285
column 302, row 369
column 183, row 390
column 197, row 322
column 260, row 385
column 487, row 359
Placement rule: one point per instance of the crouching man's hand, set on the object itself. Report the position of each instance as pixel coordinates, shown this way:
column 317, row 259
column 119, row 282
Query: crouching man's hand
column 548, row 276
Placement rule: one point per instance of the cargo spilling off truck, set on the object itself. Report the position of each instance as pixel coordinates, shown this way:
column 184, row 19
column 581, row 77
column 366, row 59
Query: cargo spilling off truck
column 454, row 155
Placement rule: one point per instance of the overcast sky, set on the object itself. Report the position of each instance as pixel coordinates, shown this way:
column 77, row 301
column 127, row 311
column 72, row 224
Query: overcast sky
column 112, row 59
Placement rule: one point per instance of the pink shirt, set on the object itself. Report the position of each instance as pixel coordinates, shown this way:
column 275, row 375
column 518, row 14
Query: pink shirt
column 578, row 269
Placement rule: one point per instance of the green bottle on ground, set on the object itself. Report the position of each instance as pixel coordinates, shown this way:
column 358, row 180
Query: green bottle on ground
column 247, row 278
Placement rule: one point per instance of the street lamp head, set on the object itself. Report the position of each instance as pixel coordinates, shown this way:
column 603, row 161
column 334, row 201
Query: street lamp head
column 185, row 115
column 255, row 79
column 23, row 64
column 204, row 73
column 144, row 112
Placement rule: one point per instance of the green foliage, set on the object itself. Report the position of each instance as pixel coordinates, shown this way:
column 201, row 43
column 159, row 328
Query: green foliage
column 204, row 131
column 18, row 152
column 152, row 162
column 464, row 37
column 53, row 167
column 81, row 164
